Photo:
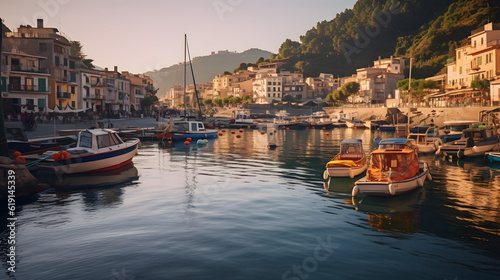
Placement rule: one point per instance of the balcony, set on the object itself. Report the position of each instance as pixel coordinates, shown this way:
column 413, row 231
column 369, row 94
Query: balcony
column 28, row 88
column 35, row 70
column 64, row 95
column 94, row 96
column 62, row 79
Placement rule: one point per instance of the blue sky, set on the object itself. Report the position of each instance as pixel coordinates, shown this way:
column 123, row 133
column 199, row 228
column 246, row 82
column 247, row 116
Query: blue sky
column 140, row 36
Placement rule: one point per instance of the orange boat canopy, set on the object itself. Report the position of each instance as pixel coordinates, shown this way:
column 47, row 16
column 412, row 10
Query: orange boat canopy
column 392, row 165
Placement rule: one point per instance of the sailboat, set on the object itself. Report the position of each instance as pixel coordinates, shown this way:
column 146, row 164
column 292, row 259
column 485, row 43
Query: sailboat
column 190, row 127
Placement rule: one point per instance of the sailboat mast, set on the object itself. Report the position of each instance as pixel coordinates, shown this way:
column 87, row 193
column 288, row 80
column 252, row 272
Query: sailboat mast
column 194, row 83
column 185, row 65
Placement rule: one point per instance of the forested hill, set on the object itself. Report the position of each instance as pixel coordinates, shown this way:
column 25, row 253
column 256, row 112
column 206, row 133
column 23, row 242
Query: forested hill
column 427, row 30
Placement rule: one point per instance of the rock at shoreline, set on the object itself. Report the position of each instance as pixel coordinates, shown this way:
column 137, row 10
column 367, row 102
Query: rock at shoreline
column 25, row 184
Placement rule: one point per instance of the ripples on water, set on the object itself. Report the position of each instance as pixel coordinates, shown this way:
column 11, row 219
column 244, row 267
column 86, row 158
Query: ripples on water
column 234, row 209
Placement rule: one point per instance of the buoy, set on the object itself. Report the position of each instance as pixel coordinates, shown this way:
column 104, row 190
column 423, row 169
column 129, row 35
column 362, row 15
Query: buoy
column 202, row 141
column 420, row 182
column 20, row 159
column 392, row 189
column 355, row 190
column 233, row 132
column 262, row 132
column 223, row 130
column 17, row 153
column 355, row 127
column 65, row 155
column 325, row 175
column 241, row 130
column 351, row 174
column 220, row 134
column 238, row 136
column 189, row 139
column 327, row 134
column 287, row 128
column 307, row 127
column 186, row 143
column 56, row 156
column 324, row 128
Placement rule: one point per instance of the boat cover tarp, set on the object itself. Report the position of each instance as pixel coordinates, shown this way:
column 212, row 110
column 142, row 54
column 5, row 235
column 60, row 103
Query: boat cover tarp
column 341, row 163
column 392, row 165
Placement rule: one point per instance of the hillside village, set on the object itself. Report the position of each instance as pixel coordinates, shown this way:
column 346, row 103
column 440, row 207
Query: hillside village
column 479, row 60
column 41, row 72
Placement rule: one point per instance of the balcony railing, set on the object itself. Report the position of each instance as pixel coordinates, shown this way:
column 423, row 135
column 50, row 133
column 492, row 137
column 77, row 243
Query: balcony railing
column 19, row 68
column 94, row 96
column 63, row 95
column 28, row 88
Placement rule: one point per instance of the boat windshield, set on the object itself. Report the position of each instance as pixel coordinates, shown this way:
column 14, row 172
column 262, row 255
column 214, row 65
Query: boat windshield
column 350, row 148
column 85, row 139
column 394, row 165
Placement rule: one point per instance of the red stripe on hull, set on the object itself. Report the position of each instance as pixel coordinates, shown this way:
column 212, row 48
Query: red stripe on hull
column 111, row 167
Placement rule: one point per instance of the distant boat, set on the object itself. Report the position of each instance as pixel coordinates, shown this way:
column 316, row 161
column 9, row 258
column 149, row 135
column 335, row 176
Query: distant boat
column 96, row 150
column 394, row 170
column 355, row 123
column 350, row 162
column 476, row 141
column 182, row 130
column 494, row 156
column 338, row 119
column 425, row 144
column 243, row 120
column 283, row 120
column 320, row 120
column 17, row 141
column 453, row 129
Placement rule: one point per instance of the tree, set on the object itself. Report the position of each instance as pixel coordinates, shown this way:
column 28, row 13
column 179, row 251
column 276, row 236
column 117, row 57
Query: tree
column 350, row 88
column 149, row 98
column 217, row 101
column 207, row 102
column 419, row 88
column 247, row 99
column 481, row 85
column 76, row 50
column 226, row 100
column 329, row 98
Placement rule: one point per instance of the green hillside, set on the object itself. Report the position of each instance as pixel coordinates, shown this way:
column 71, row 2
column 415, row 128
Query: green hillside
column 426, row 30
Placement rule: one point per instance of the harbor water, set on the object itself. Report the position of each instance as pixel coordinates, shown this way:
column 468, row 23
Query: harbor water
column 235, row 209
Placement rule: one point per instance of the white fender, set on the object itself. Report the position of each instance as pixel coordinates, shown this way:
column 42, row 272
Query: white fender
column 392, row 189
column 438, row 151
column 351, row 173
column 429, row 176
column 325, row 175
column 420, row 181
column 355, row 190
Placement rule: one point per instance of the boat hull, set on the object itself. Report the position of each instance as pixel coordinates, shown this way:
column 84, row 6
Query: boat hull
column 346, row 171
column 194, row 136
column 494, row 157
column 94, row 162
column 372, row 188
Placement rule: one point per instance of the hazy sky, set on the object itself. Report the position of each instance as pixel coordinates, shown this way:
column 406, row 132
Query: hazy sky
column 140, row 36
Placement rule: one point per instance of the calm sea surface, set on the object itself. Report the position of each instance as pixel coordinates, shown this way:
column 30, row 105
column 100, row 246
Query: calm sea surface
column 233, row 209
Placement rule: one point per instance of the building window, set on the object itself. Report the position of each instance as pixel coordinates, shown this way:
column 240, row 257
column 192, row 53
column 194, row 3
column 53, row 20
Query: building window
column 73, row 89
column 65, row 62
column 73, row 104
column 57, row 60
column 274, row 83
column 268, row 88
column 268, row 95
column 279, row 83
column 274, row 94
column 58, row 89
column 274, row 88
column 268, row 83
column 479, row 60
column 279, row 89
column 460, row 70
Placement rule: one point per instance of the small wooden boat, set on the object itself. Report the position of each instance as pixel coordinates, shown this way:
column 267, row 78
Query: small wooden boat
column 476, row 141
column 350, row 162
column 355, row 123
column 17, row 141
column 182, row 130
column 453, row 129
column 424, row 143
column 96, row 150
column 494, row 156
column 394, row 169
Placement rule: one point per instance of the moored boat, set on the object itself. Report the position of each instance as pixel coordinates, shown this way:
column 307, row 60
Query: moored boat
column 453, row 129
column 424, row 143
column 394, row 169
column 96, row 150
column 494, row 156
column 355, row 123
column 350, row 162
column 182, row 130
column 476, row 141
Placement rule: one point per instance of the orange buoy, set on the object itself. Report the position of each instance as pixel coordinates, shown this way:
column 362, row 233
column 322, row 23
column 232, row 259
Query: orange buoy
column 287, row 128
column 56, row 156
column 328, row 134
column 17, row 153
column 20, row 159
column 65, row 155
column 262, row 132
column 223, row 130
column 241, row 130
column 232, row 132
column 355, row 127
column 220, row 134
column 187, row 143
column 324, row 128
column 189, row 139
column 238, row 136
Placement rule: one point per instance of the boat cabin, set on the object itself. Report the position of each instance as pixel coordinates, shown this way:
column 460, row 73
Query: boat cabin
column 96, row 140
column 456, row 127
column 479, row 133
column 393, row 165
column 351, row 149
column 188, row 126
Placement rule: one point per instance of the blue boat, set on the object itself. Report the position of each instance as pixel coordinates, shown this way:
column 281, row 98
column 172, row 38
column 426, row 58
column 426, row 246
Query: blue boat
column 453, row 129
column 494, row 156
column 182, row 130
